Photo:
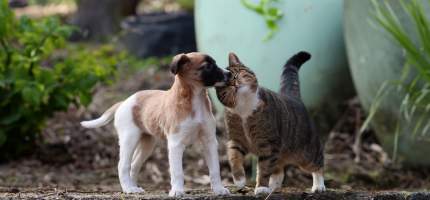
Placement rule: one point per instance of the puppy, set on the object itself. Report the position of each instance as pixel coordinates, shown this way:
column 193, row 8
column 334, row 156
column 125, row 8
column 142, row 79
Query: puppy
column 182, row 115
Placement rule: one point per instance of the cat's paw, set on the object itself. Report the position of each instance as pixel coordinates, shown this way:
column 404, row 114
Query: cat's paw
column 133, row 189
column 318, row 188
column 240, row 183
column 221, row 191
column 262, row 190
column 176, row 193
column 275, row 181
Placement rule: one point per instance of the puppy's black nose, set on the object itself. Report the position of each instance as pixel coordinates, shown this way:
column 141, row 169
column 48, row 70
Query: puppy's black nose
column 228, row 75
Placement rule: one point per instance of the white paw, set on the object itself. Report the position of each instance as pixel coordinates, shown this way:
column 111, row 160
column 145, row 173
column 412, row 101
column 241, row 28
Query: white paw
column 240, row 183
column 176, row 193
column 275, row 181
column 133, row 178
column 274, row 184
column 133, row 189
column 221, row 191
column 318, row 188
column 262, row 190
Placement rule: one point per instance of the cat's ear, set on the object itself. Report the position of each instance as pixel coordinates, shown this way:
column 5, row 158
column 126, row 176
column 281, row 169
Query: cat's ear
column 233, row 60
column 177, row 63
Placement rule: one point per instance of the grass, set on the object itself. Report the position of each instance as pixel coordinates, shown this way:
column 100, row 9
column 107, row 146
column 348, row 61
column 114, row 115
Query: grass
column 414, row 81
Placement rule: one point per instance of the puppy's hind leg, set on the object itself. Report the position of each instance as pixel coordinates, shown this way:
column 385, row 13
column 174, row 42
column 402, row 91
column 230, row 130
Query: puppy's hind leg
column 141, row 154
column 128, row 141
column 129, row 135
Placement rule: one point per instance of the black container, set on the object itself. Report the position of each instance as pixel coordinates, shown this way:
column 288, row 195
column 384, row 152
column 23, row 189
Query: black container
column 159, row 34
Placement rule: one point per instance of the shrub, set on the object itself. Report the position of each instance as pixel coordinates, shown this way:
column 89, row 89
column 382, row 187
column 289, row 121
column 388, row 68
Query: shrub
column 39, row 76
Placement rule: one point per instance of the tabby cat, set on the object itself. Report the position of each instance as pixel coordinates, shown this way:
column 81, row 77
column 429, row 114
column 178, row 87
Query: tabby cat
column 273, row 126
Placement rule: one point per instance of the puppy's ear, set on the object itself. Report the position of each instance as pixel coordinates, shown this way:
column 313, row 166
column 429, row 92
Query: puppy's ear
column 177, row 63
column 233, row 60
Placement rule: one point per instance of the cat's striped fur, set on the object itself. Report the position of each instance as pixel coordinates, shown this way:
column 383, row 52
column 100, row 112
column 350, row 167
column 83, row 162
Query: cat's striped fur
column 273, row 126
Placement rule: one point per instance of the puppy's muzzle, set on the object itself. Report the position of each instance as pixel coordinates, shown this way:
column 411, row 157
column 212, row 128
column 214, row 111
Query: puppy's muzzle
column 227, row 76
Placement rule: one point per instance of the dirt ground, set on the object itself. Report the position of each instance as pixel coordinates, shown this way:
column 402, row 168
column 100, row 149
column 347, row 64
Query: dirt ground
column 73, row 162
column 202, row 194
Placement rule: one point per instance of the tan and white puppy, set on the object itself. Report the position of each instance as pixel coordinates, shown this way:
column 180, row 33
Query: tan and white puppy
column 181, row 114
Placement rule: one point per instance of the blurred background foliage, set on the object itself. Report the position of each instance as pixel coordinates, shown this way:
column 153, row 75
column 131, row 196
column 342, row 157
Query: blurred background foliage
column 42, row 73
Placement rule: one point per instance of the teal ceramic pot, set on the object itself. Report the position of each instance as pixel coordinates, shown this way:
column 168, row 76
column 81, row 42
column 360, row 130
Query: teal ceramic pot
column 315, row 26
column 374, row 58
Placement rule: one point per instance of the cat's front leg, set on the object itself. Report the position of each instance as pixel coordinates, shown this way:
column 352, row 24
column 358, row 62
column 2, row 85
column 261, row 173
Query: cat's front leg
column 265, row 168
column 277, row 177
column 236, row 153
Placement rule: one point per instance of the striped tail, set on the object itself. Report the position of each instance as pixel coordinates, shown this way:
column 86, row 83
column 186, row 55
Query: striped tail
column 290, row 75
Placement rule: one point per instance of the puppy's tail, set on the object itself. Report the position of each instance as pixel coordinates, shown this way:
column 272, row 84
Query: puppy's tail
column 290, row 75
column 104, row 119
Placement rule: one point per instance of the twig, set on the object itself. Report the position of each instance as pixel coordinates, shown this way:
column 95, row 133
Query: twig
column 46, row 195
column 356, row 148
column 269, row 195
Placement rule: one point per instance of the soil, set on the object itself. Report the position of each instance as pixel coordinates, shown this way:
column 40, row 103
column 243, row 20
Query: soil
column 204, row 194
column 73, row 162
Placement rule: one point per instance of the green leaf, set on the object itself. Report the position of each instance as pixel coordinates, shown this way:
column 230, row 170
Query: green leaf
column 258, row 8
column 270, row 14
column 10, row 118
column 3, row 137
column 275, row 12
column 415, row 77
column 33, row 94
column 7, row 19
column 85, row 99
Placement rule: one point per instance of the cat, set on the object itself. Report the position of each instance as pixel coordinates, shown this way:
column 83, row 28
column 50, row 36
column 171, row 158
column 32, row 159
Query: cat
column 274, row 126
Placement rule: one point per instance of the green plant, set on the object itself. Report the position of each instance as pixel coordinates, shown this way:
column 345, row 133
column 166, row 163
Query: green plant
column 415, row 78
column 39, row 76
column 270, row 14
column 187, row 5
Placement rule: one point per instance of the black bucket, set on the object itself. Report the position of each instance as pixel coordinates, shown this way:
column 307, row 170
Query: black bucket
column 159, row 34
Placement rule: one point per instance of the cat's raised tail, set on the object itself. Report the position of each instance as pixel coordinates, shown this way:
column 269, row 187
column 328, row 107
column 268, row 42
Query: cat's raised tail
column 290, row 75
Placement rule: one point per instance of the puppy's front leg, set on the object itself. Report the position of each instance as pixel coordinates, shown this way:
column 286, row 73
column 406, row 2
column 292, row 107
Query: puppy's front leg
column 176, row 150
column 210, row 146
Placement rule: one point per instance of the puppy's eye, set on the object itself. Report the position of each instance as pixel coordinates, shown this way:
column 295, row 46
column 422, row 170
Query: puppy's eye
column 204, row 67
column 208, row 67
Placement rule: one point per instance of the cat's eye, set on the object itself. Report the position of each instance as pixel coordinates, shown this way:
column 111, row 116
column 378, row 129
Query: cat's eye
column 235, row 77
